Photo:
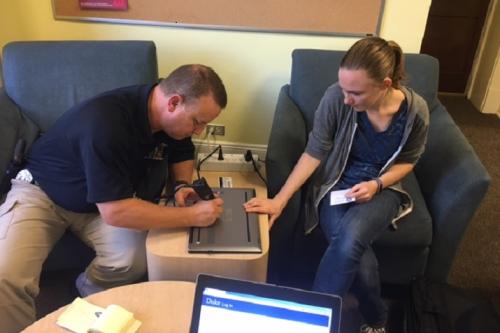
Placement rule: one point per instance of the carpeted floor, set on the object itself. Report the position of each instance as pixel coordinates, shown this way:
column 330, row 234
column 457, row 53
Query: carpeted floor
column 477, row 264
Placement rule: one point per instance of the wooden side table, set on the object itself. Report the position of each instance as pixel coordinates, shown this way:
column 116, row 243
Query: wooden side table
column 161, row 306
column 167, row 249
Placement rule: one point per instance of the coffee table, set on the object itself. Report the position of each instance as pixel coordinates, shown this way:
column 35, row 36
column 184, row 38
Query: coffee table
column 161, row 306
column 167, row 249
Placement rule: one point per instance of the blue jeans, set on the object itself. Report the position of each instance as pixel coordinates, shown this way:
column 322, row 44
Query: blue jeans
column 349, row 261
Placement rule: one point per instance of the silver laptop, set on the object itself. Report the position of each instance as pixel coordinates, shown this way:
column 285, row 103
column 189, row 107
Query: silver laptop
column 235, row 231
column 225, row 305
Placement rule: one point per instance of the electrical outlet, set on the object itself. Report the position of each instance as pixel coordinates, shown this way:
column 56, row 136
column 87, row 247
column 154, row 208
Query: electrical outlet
column 231, row 162
column 213, row 129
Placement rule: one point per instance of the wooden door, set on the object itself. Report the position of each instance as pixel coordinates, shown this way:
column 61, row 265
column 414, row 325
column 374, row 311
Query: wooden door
column 452, row 35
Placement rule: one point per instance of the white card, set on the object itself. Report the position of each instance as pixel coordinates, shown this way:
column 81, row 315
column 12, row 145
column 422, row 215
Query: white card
column 339, row 198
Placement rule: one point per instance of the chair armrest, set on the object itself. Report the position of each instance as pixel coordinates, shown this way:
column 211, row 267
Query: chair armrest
column 286, row 143
column 453, row 182
column 13, row 126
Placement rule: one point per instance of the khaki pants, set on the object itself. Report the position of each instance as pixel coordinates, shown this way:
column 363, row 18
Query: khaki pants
column 30, row 225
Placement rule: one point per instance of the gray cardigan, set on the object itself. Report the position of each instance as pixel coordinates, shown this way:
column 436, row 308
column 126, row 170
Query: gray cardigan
column 331, row 138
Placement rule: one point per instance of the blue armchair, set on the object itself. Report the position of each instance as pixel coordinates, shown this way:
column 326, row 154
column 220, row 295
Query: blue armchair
column 447, row 185
column 43, row 79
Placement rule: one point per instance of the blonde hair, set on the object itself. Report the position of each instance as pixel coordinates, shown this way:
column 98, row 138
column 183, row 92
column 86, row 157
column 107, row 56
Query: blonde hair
column 378, row 57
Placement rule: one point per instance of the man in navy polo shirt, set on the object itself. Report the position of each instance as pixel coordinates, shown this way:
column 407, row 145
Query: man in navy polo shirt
column 96, row 171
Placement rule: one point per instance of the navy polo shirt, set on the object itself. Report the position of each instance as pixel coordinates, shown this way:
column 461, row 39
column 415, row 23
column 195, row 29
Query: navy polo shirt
column 103, row 150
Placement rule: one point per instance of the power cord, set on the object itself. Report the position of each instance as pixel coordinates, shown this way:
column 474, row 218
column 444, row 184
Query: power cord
column 248, row 158
column 221, row 157
column 210, row 140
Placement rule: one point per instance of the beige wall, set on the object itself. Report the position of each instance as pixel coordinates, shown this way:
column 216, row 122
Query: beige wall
column 253, row 65
column 484, row 90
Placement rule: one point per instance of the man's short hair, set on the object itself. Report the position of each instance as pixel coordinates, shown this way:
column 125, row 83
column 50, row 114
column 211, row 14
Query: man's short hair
column 194, row 81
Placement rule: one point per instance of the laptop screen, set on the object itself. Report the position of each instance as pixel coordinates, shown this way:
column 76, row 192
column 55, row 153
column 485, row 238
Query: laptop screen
column 225, row 305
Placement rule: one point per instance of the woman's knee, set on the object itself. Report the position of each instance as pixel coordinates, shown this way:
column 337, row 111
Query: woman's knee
column 347, row 248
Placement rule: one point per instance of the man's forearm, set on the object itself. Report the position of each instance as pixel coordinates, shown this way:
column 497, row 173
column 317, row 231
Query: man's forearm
column 182, row 170
column 139, row 214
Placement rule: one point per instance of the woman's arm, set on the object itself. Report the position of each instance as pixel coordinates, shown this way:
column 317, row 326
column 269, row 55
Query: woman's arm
column 365, row 191
column 300, row 173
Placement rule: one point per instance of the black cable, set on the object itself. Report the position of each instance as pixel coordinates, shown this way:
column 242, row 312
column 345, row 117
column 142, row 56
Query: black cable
column 221, row 156
column 249, row 157
column 258, row 172
column 219, row 147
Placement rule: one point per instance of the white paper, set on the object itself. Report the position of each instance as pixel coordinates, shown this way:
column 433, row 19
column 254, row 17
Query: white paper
column 82, row 317
column 339, row 198
column 115, row 319
column 79, row 316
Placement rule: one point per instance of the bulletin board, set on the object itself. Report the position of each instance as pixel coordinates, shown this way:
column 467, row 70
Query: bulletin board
column 324, row 17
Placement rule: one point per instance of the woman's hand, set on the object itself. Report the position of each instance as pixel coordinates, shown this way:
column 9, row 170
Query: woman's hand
column 364, row 191
column 272, row 207
column 300, row 173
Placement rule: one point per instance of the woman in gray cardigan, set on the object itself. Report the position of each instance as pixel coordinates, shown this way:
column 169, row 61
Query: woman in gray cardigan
column 368, row 133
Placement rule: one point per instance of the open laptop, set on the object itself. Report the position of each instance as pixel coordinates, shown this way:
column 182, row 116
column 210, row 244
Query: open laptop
column 226, row 305
column 235, row 231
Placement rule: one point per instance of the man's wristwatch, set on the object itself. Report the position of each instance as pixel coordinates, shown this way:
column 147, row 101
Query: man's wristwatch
column 179, row 184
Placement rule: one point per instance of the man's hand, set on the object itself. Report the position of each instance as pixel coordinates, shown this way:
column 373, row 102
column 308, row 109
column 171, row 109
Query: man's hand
column 272, row 207
column 207, row 211
column 364, row 191
column 183, row 194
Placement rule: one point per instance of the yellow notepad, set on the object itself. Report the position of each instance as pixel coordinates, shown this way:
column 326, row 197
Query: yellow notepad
column 84, row 317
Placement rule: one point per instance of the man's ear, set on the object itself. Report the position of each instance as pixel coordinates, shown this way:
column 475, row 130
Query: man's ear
column 174, row 101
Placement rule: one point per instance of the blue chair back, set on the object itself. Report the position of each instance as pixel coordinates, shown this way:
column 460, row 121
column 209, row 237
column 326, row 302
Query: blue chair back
column 313, row 71
column 46, row 78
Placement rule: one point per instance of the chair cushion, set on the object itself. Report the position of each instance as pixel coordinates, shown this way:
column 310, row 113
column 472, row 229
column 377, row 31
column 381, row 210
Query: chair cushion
column 403, row 253
column 414, row 231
